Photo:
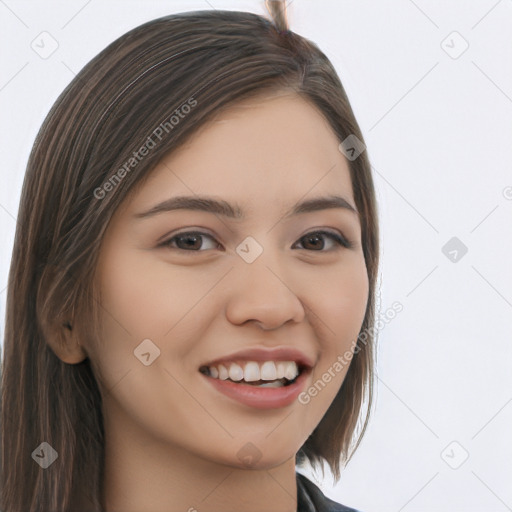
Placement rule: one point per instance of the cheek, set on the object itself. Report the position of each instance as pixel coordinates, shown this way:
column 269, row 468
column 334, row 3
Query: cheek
column 351, row 301
column 338, row 309
column 147, row 296
column 339, row 300
column 142, row 298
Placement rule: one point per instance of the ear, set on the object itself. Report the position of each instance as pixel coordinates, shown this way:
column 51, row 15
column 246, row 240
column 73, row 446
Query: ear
column 64, row 342
column 57, row 328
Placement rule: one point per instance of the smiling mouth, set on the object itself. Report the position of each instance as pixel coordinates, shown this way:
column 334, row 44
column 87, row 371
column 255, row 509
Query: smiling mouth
column 267, row 374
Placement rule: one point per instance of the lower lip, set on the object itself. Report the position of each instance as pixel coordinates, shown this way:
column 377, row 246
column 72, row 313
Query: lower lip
column 261, row 398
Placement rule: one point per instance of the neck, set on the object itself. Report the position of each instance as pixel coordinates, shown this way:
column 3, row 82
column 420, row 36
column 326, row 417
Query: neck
column 147, row 474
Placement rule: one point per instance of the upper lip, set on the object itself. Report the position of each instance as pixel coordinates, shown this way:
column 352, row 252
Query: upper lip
column 266, row 354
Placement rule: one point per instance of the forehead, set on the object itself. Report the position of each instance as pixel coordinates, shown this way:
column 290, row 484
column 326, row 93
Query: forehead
column 270, row 150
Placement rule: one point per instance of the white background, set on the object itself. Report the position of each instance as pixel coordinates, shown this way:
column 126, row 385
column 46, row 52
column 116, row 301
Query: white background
column 439, row 135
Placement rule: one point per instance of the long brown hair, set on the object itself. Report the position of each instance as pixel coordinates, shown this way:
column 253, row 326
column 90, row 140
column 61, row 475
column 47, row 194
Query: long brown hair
column 103, row 117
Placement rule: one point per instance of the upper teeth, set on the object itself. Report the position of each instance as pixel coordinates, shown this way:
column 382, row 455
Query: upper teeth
column 252, row 370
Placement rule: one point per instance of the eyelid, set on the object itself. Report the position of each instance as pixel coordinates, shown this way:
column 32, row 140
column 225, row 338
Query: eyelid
column 337, row 237
column 165, row 238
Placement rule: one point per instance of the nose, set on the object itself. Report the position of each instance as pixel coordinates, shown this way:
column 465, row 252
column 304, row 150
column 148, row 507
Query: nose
column 259, row 293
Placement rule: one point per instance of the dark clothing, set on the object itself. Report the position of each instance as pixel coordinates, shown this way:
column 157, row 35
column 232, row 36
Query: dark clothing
column 311, row 499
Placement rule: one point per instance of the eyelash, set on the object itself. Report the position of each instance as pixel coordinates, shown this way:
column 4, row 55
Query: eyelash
column 340, row 240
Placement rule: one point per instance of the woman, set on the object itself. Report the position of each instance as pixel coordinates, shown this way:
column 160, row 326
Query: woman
column 191, row 294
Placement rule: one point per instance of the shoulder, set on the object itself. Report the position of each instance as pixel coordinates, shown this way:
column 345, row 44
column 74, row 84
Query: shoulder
column 311, row 499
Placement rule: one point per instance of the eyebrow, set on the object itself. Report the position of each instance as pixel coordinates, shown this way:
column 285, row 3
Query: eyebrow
column 234, row 211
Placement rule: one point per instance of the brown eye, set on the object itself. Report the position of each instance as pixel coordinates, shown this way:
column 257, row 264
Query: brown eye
column 188, row 241
column 315, row 240
column 192, row 241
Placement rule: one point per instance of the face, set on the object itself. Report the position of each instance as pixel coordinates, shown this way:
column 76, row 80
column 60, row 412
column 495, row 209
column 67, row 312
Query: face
column 191, row 296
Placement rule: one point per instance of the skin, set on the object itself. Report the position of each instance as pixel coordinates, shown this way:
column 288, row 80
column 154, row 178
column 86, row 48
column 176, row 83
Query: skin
column 172, row 440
